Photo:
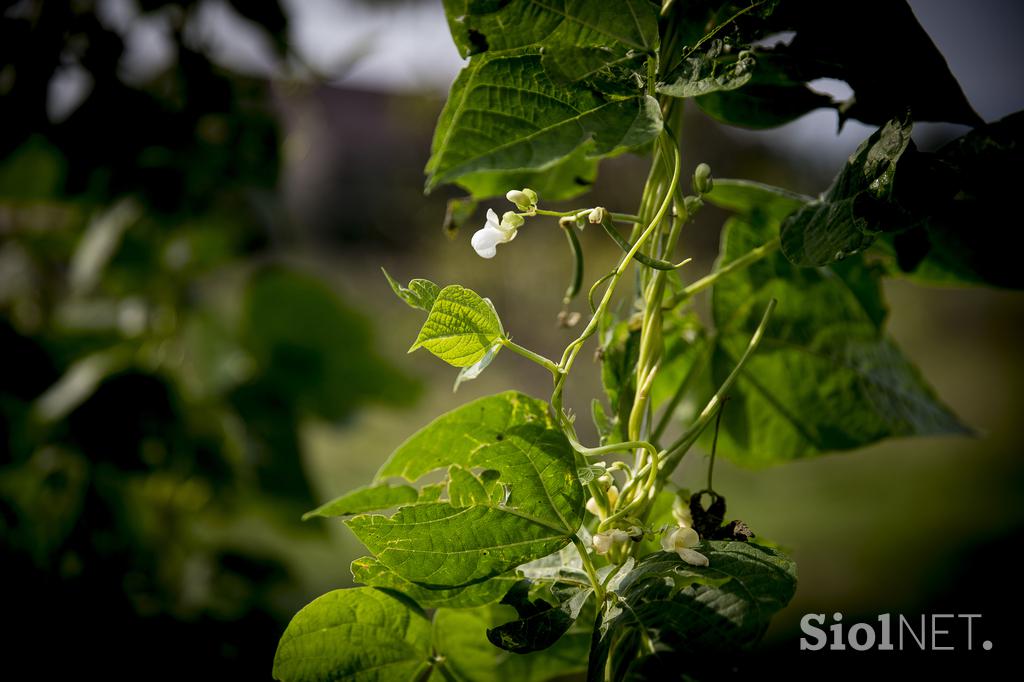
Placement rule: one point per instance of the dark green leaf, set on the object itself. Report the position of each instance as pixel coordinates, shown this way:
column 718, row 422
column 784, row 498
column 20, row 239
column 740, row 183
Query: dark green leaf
column 880, row 49
column 357, row 634
column 461, row 635
column 762, row 106
column 369, row 571
column 851, row 214
column 481, row 26
column 504, row 113
column 708, row 70
column 957, row 203
column 540, row 624
column 367, row 498
column 693, row 617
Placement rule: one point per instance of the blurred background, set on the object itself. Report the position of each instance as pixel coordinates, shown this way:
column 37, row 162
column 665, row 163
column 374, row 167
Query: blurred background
column 197, row 344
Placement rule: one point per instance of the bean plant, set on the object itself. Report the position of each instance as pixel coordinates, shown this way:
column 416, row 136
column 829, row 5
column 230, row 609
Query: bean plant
column 504, row 546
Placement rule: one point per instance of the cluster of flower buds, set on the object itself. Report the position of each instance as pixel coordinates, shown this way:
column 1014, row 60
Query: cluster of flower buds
column 607, row 484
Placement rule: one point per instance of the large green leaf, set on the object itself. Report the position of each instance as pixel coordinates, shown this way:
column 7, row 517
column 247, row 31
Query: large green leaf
column 460, row 328
column 850, row 215
column 568, row 178
column 369, row 571
column 481, row 26
column 539, row 508
column 367, row 498
column 825, row 376
column 355, row 634
column 671, row 618
column 505, row 113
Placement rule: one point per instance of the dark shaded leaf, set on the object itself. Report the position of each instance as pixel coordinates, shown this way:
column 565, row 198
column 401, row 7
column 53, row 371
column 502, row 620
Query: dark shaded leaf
column 852, row 213
column 540, row 623
column 692, row 616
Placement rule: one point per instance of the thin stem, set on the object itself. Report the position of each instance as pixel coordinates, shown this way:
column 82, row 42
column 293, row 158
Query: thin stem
column 686, row 441
column 617, row 447
column 743, row 261
column 714, row 442
column 588, row 566
column 624, row 217
column 530, row 355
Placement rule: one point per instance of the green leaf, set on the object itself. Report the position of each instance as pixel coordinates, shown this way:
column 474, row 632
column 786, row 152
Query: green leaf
column 421, row 293
column 367, row 498
column 568, row 178
column 354, row 634
column 461, row 635
column 505, row 113
column 460, row 328
column 847, row 219
column 825, row 376
column 369, row 571
column 478, row 26
column 708, row 70
column 754, row 198
column 538, row 509
column 540, row 624
column 691, row 617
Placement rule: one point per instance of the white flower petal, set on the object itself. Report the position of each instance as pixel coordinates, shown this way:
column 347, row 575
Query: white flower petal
column 492, row 219
column 692, row 557
column 486, row 239
column 679, row 538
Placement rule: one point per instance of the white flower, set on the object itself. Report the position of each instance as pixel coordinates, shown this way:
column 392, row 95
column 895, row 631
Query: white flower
column 680, row 540
column 605, row 542
column 613, row 496
column 485, row 241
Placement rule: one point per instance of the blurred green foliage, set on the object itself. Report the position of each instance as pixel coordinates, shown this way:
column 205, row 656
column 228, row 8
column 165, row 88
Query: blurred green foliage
column 156, row 357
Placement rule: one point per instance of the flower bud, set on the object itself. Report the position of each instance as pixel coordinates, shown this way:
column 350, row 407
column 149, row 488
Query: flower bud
column 692, row 204
column 609, row 541
column 525, row 199
column 702, row 183
column 613, row 497
column 597, row 215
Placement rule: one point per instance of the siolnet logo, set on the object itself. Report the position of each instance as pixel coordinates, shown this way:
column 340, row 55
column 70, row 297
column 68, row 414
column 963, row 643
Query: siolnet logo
column 927, row 632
